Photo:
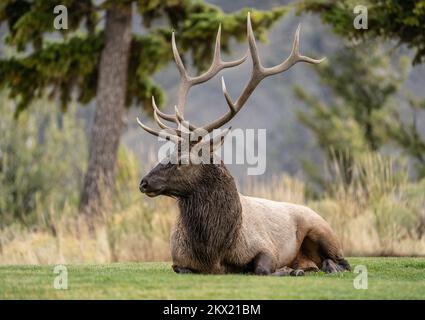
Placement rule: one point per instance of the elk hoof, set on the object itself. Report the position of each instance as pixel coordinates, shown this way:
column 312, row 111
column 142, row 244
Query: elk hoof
column 329, row 266
column 181, row 270
column 282, row 272
column 297, row 273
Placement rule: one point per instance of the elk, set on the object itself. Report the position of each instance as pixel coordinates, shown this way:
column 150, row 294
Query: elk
column 218, row 230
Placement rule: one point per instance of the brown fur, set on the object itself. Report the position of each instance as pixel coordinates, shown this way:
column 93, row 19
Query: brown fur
column 210, row 216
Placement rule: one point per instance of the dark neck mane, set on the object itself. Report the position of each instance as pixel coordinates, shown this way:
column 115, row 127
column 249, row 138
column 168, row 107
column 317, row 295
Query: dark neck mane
column 212, row 215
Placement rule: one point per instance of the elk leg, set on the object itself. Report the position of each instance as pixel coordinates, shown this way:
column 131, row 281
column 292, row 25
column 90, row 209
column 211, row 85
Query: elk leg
column 327, row 247
column 181, row 270
column 263, row 264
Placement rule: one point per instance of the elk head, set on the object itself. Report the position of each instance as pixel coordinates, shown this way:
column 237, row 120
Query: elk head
column 181, row 171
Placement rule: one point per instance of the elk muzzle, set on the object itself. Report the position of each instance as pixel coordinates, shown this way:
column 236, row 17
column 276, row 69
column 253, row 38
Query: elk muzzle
column 151, row 186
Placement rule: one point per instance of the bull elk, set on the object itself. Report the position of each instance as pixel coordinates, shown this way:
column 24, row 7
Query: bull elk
column 219, row 230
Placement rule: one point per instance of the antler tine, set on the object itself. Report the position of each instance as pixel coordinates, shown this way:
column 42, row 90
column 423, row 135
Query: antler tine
column 227, row 96
column 159, row 122
column 165, row 116
column 155, row 115
column 168, row 136
column 293, row 58
column 217, row 64
column 175, row 134
column 253, row 46
column 178, row 60
column 258, row 73
column 181, row 122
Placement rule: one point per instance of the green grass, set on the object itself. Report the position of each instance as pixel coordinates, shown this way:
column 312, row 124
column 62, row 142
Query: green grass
column 388, row 278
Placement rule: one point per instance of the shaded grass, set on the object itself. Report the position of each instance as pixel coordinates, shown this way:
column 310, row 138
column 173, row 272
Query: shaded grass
column 388, row 278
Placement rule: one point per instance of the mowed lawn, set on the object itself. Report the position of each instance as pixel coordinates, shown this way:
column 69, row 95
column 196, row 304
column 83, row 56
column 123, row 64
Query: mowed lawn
column 388, row 278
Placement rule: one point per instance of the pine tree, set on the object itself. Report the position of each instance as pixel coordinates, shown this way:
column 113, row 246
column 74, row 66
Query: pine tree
column 402, row 129
column 361, row 87
column 402, row 21
column 110, row 63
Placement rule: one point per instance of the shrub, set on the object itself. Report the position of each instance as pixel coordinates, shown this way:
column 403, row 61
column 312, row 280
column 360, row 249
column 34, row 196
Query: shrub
column 42, row 158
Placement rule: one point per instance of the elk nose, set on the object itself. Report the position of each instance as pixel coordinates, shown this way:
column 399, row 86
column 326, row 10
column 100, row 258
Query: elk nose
column 143, row 185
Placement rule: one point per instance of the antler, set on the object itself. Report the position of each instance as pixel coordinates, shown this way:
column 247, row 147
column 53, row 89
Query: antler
column 259, row 72
column 186, row 82
column 217, row 65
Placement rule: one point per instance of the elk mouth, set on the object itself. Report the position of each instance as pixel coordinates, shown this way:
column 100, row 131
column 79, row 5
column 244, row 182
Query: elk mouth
column 153, row 193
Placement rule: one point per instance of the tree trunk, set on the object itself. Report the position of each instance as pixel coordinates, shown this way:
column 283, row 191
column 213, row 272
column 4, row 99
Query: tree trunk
column 110, row 108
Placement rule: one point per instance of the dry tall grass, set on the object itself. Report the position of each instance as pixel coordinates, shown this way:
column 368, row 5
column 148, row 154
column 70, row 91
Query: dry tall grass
column 138, row 232
column 379, row 213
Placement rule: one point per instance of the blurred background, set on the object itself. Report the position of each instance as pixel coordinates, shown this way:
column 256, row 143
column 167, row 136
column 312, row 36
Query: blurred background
column 346, row 138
